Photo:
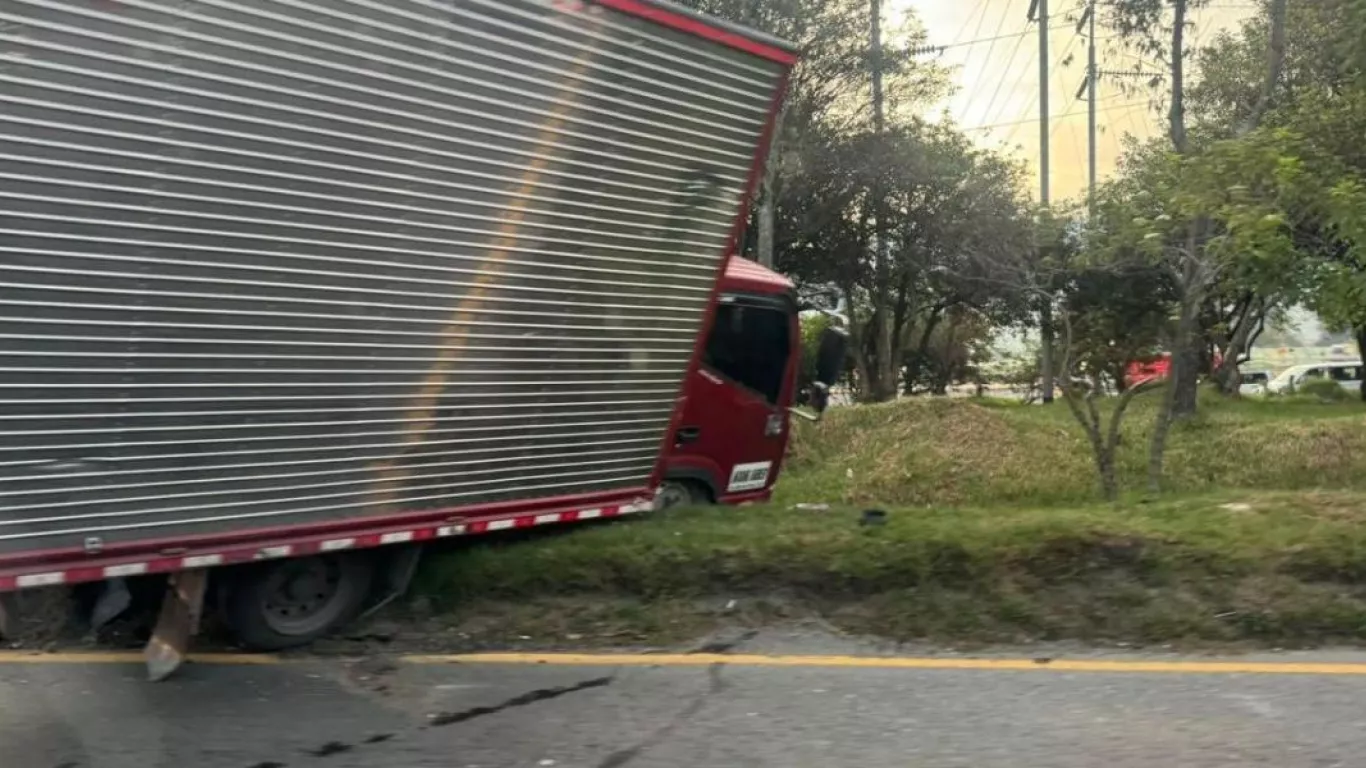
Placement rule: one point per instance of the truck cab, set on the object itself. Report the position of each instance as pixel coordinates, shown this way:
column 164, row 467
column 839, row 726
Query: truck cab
column 730, row 441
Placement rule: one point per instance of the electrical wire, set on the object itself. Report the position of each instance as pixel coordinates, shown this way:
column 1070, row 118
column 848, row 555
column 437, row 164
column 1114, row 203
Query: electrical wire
column 986, row 62
column 1034, row 99
column 1068, row 114
column 1000, row 83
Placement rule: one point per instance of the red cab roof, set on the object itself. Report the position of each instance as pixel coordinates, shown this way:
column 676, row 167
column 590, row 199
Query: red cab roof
column 745, row 275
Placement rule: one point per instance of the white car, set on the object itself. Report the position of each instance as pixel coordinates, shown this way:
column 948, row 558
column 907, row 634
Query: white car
column 1346, row 373
column 1254, row 382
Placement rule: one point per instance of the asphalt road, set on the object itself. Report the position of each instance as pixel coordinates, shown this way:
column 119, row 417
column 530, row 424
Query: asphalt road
column 335, row 714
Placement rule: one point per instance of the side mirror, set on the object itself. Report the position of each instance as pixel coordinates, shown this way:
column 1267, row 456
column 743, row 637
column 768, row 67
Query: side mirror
column 829, row 365
column 830, row 355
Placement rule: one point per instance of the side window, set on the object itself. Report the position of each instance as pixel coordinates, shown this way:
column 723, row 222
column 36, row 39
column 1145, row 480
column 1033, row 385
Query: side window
column 750, row 346
column 1346, row 373
column 1312, row 373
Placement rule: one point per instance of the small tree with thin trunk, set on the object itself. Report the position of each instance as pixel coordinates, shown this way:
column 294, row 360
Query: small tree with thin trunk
column 1096, row 325
column 1082, row 393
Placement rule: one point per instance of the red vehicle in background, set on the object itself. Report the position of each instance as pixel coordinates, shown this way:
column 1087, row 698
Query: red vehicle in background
column 737, row 404
column 1156, row 369
column 1140, row 371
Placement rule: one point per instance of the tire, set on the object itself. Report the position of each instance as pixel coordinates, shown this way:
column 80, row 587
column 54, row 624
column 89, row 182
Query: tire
column 680, row 494
column 292, row 602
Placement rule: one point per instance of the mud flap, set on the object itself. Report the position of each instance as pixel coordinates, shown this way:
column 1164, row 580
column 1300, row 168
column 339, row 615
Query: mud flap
column 177, row 622
column 399, row 567
column 114, row 599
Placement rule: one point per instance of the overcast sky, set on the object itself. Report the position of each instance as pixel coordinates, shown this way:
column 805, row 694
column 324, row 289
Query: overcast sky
column 998, row 80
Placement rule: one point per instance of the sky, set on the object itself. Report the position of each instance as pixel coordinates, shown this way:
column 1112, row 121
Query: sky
column 998, row 81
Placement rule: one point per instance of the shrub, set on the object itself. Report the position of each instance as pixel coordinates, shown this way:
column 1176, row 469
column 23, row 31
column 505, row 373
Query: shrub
column 1324, row 390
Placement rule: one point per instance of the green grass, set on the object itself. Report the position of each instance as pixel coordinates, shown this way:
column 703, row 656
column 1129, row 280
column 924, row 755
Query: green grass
column 1270, row 567
column 954, row 452
column 994, row 534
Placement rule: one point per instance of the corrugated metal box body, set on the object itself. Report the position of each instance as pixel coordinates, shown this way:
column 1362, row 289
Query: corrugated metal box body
column 274, row 262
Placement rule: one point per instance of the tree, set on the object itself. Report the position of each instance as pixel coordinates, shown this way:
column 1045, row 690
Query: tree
column 829, row 88
column 1194, row 251
column 1322, row 101
column 1104, row 322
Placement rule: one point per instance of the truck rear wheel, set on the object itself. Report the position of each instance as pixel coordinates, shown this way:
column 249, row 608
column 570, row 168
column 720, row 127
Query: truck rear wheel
column 287, row 603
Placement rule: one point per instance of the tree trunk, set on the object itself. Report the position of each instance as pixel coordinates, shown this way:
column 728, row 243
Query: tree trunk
column 768, row 196
column 943, row 376
column 1186, row 379
column 1109, row 484
column 916, row 364
column 1166, row 414
column 763, row 250
column 1118, row 371
column 1090, row 421
column 1244, row 334
column 1046, row 342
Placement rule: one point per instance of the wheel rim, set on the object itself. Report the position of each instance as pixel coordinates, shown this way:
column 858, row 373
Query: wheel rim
column 304, row 595
column 673, row 494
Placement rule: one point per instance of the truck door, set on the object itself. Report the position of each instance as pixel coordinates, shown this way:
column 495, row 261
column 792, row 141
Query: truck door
column 735, row 421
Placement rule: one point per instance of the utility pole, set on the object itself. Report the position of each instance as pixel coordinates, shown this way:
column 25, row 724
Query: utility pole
column 1092, row 76
column 885, row 384
column 1038, row 11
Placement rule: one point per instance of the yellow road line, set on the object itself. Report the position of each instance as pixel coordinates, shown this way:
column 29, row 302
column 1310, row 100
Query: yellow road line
column 873, row 662
column 1114, row 666
column 129, row 657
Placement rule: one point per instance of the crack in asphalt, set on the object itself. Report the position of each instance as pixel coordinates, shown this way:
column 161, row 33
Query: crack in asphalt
column 522, row 700
column 716, row 685
column 450, row 718
column 329, row 749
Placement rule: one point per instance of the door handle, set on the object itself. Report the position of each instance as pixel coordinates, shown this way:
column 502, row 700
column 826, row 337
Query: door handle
column 688, row 434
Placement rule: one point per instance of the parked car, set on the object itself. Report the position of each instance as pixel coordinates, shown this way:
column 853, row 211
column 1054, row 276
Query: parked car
column 1347, row 374
column 1254, row 382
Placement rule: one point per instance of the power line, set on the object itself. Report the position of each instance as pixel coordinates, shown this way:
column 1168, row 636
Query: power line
column 986, row 61
column 1000, row 83
column 1111, row 108
column 981, row 8
column 1034, row 99
column 924, row 49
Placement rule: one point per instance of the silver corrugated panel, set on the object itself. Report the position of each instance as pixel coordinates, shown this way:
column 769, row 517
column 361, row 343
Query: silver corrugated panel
column 269, row 262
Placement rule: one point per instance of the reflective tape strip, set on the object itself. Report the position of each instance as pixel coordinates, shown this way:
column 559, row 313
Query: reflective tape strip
column 126, row 569
column 201, row 561
column 41, row 579
column 167, row 564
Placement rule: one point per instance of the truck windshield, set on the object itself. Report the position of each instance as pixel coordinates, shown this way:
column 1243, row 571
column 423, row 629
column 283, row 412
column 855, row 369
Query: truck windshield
column 749, row 345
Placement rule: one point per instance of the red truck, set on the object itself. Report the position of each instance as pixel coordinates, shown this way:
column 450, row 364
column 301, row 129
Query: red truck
column 285, row 281
column 731, row 439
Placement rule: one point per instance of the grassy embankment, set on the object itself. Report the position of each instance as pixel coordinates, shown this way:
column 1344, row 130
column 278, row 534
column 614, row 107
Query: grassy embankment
column 993, row 534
